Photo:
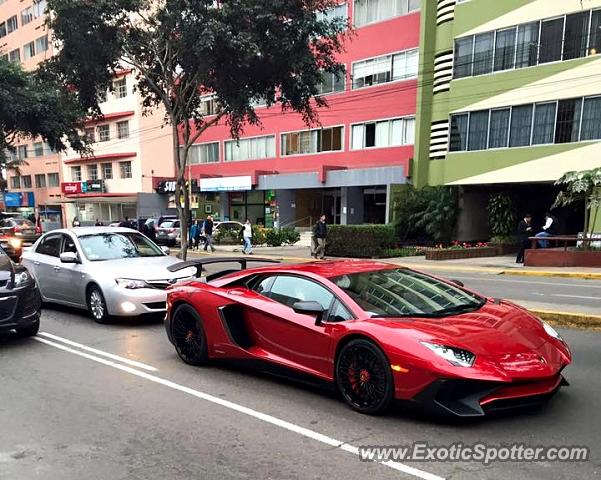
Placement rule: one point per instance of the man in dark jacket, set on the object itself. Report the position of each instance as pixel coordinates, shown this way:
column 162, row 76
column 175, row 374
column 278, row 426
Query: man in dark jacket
column 208, row 233
column 524, row 231
column 320, row 232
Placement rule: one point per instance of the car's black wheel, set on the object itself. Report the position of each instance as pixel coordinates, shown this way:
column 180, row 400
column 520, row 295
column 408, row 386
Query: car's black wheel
column 97, row 305
column 189, row 336
column 29, row 330
column 364, row 378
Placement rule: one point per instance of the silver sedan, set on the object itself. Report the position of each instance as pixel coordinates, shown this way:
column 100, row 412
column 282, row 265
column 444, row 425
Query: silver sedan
column 107, row 271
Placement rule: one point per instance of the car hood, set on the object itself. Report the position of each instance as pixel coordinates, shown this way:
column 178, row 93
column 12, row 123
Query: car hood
column 148, row 268
column 501, row 328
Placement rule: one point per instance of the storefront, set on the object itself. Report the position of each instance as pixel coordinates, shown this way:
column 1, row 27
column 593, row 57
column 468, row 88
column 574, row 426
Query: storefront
column 20, row 202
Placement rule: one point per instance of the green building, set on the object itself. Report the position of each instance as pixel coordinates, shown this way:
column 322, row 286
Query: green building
column 509, row 100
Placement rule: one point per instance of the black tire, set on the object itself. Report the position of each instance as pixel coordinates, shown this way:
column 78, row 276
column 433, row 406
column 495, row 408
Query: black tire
column 97, row 305
column 29, row 330
column 364, row 377
column 189, row 336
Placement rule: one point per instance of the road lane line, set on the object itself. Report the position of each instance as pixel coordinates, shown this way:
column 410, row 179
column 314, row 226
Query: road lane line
column 305, row 432
column 133, row 363
column 504, row 280
column 574, row 296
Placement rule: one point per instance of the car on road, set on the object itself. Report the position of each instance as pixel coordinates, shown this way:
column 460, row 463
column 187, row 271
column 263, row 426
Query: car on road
column 20, row 304
column 21, row 228
column 376, row 331
column 107, row 271
column 168, row 233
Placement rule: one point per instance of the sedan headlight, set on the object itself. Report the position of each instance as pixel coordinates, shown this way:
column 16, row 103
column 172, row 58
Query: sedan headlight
column 455, row 356
column 16, row 243
column 131, row 284
column 22, row 278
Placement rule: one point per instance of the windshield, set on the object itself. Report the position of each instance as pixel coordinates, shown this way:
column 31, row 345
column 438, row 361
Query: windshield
column 168, row 225
column 404, row 293
column 112, row 246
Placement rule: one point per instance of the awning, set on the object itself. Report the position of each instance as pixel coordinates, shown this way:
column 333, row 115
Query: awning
column 102, row 198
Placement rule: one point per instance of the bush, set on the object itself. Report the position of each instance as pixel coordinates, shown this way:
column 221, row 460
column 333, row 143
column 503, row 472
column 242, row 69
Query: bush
column 363, row 241
column 274, row 237
column 259, row 237
column 227, row 237
column 290, row 235
column 502, row 217
column 404, row 252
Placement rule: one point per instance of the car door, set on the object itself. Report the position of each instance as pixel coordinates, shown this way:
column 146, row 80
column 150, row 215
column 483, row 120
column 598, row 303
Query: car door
column 45, row 262
column 69, row 276
column 293, row 336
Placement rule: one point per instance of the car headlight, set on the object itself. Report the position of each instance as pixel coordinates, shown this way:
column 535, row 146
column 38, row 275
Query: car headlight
column 131, row 284
column 22, row 278
column 455, row 356
column 16, row 243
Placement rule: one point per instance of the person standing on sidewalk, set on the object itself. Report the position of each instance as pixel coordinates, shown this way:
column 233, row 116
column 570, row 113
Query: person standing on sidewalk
column 524, row 231
column 247, row 236
column 208, row 231
column 320, row 230
column 194, row 230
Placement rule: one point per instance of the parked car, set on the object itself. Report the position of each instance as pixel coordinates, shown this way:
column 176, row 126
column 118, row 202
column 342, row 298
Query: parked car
column 20, row 304
column 168, row 233
column 107, row 271
column 21, row 228
column 375, row 331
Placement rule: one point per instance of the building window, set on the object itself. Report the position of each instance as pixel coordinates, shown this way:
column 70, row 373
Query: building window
column 204, row 153
column 505, row 49
column 104, row 133
column 312, row 141
column 120, row 87
column 458, row 135
column 478, row 130
column 76, row 174
column 26, row 15
column 92, row 172
column 543, row 130
column 38, row 149
column 26, row 181
column 208, row 105
column 250, row 149
column 39, row 8
column 339, row 11
column 107, row 171
column 483, row 53
column 385, row 133
column 15, row 182
column 53, row 180
column 123, row 129
column 331, row 83
column 591, row 119
column 41, row 44
column 499, row 127
column 400, row 66
column 568, row 121
column 521, row 122
column 125, row 168
column 551, row 36
column 29, row 50
column 371, row 11
column 90, row 134
column 22, row 153
column 3, row 31
column 14, row 56
column 464, row 51
column 12, row 24
column 40, row 181
column 527, row 45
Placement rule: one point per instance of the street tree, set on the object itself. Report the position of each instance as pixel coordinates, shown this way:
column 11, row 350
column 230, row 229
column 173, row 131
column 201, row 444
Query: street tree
column 33, row 105
column 239, row 51
column 583, row 186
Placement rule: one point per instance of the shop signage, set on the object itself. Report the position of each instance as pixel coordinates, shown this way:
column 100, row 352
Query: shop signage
column 17, row 199
column 94, row 186
column 71, row 188
column 225, row 184
column 169, row 186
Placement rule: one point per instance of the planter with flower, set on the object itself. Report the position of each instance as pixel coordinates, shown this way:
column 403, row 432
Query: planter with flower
column 460, row 250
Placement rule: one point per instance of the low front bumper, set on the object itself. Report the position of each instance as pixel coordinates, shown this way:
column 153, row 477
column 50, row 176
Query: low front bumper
column 123, row 302
column 472, row 398
column 19, row 308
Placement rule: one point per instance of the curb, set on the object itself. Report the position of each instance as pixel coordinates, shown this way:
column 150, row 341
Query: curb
column 541, row 273
column 582, row 321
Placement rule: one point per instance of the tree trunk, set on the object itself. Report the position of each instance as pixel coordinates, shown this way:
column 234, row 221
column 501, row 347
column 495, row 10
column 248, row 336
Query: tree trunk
column 180, row 189
column 587, row 215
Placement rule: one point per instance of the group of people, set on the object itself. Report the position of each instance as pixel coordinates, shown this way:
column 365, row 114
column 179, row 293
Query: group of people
column 204, row 229
column 526, row 230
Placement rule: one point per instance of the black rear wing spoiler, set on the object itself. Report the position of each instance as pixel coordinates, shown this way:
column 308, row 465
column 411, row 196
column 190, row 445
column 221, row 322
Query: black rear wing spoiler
column 201, row 262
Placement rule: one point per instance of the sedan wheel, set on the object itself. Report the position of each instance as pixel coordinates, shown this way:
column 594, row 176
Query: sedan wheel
column 364, row 377
column 97, row 305
column 189, row 336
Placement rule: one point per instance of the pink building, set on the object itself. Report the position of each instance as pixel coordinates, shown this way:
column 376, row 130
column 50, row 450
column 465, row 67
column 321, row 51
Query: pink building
column 346, row 168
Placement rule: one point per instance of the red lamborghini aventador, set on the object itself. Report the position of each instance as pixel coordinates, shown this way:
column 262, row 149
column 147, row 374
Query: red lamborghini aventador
column 377, row 331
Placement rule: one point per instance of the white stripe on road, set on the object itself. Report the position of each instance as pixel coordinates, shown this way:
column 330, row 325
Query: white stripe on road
column 133, row 363
column 574, row 296
column 305, row 432
column 504, row 280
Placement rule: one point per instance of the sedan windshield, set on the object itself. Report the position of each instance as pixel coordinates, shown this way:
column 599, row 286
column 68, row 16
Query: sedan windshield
column 404, row 293
column 112, row 246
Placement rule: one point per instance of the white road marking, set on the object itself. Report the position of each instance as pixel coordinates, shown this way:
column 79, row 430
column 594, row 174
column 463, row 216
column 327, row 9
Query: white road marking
column 305, row 432
column 574, row 296
column 502, row 280
column 133, row 363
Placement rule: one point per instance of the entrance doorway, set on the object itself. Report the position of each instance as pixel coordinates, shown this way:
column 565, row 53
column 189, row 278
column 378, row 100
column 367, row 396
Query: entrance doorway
column 331, row 205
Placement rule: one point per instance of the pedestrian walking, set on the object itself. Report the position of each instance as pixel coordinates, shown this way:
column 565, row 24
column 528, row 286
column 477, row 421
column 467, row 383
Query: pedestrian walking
column 247, row 236
column 99, row 223
column 198, row 234
column 194, row 230
column 125, row 223
column 549, row 230
column 151, row 231
column 524, row 232
column 320, row 231
column 75, row 222
column 208, row 233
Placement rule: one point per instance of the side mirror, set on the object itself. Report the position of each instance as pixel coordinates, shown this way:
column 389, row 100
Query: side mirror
column 310, row 308
column 69, row 257
column 166, row 250
column 459, row 283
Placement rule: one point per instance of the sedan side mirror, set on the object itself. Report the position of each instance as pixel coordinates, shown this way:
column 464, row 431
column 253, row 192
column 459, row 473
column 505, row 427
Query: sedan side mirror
column 69, row 257
column 166, row 250
column 310, row 308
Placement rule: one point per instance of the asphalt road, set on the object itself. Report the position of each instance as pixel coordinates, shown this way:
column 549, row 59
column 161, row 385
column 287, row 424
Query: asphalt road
column 69, row 412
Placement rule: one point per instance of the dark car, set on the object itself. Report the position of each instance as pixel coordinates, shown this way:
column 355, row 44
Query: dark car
column 21, row 228
column 20, row 302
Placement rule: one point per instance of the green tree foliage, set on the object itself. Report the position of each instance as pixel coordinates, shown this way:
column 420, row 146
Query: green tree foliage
column 502, row 217
column 32, row 105
column 242, row 51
